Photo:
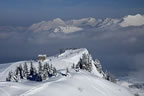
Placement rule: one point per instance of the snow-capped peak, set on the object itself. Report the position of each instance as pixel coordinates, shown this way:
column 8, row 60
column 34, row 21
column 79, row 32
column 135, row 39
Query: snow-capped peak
column 109, row 22
column 59, row 21
column 84, row 22
column 67, row 29
column 47, row 25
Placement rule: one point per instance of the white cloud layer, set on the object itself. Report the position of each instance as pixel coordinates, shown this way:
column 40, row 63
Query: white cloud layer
column 130, row 20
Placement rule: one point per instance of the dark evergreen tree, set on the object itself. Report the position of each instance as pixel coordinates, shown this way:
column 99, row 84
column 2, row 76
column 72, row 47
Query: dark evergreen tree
column 50, row 71
column 34, row 76
column 67, row 71
column 21, row 71
column 32, row 69
column 108, row 76
column 42, row 73
column 85, row 63
column 26, row 71
column 16, row 76
column 10, row 76
column 54, row 71
column 40, row 70
column 47, row 69
column 73, row 66
column 45, row 73
column 98, row 66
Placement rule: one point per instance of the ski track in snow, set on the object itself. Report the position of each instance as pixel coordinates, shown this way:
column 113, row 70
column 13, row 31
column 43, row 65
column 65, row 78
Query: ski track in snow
column 39, row 88
column 6, row 93
column 34, row 89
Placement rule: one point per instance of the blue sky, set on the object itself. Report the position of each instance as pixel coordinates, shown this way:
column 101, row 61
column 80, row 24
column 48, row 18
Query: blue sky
column 26, row 12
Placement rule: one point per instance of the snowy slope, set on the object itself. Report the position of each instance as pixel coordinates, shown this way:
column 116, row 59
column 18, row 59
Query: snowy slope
column 80, row 83
column 83, row 84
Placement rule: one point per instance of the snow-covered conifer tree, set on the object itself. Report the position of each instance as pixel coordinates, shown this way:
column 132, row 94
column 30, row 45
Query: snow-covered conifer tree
column 85, row 62
column 50, row 71
column 10, row 76
column 26, row 71
column 40, row 70
column 21, row 72
column 54, row 71
column 32, row 69
column 110, row 77
column 33, row 74
column 67, row 71
column 73, row 66
column 98, row 65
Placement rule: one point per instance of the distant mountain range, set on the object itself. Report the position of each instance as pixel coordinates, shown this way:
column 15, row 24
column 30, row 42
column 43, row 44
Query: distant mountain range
column 69, row 26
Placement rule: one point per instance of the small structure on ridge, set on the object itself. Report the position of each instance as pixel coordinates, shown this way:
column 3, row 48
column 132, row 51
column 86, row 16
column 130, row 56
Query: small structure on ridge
column 42, row 57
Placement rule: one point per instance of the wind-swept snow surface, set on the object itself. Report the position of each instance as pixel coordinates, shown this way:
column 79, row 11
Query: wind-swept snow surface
column 77, row 84
column 81, row 83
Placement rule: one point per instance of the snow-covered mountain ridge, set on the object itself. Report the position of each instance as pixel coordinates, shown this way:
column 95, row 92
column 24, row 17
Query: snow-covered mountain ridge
column 60, row 62
column 82, row 82
column 76, row 25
